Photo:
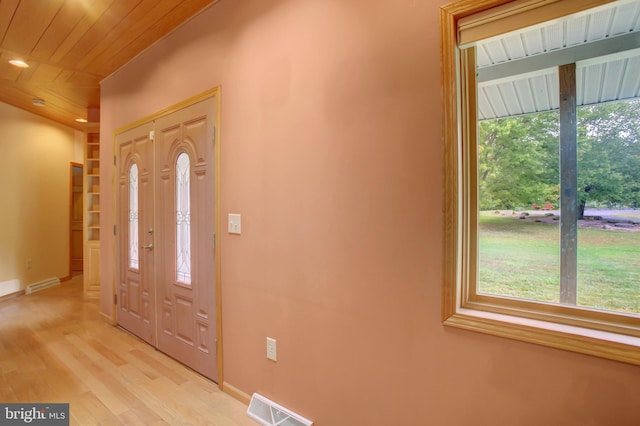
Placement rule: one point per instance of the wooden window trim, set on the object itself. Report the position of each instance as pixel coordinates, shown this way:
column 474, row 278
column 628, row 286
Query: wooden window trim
column 591, row 332
column 506, row 16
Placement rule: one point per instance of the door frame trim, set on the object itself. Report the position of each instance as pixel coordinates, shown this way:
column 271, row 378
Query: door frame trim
column 210, row 93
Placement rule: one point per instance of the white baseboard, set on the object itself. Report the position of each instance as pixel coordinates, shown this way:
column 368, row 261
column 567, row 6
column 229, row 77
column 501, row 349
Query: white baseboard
column 9, row 287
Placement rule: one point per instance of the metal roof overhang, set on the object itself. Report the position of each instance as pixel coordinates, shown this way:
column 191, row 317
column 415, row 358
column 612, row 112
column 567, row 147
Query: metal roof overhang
column 518, row 72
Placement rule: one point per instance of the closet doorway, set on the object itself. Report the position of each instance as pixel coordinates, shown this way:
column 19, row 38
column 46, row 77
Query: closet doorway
column 76, row 240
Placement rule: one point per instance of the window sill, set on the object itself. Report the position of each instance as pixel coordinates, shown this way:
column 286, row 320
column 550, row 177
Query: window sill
column 602, row 344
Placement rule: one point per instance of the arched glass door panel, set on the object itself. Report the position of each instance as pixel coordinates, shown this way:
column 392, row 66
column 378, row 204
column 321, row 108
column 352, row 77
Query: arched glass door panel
column 183, row 219
column 134, row 250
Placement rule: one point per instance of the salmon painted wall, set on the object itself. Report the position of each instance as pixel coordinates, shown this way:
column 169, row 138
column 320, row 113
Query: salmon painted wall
column 331, row 151
column 34, row 220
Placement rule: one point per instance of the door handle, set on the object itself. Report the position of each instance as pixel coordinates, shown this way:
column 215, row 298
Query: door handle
column 148, row 247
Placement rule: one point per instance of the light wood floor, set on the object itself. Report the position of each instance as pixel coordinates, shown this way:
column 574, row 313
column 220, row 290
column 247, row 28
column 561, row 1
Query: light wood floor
column 54, row 347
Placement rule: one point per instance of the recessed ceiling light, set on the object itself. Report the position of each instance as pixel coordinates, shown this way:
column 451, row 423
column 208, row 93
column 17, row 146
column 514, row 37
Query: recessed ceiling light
column 38, row 102
column 81, row 120
column 19, row 63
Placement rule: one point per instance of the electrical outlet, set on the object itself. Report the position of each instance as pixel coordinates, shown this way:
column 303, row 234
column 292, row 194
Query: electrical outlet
column 271, row 349
column 29, row 263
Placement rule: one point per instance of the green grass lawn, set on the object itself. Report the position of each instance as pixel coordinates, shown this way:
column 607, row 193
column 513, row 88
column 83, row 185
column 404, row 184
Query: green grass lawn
column 521, row 258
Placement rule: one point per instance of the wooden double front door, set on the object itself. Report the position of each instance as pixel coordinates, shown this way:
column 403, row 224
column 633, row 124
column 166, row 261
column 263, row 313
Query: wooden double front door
column 166, row 292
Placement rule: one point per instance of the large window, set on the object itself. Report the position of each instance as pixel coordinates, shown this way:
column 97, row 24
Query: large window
column 542, row 184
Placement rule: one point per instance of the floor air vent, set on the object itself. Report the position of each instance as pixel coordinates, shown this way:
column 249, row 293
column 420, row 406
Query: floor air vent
column 32, row 288
column 268, row 413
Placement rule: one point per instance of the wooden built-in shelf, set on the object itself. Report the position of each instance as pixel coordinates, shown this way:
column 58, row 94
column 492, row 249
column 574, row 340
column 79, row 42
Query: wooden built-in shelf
column 92, row 213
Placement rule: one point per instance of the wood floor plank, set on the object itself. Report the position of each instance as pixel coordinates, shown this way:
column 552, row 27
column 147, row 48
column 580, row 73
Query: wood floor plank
column 163, row 408
column 76, row 361
column 79, row 413
column 159, row 365
column 181, row 404
column 106, row 352
column 143, row 368
column 94, row 409
column 54, row 347
column 59, row 379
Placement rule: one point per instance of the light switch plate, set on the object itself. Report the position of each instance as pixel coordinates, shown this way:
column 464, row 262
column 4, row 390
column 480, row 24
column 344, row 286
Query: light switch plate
column 235, row 223
column 271, row 349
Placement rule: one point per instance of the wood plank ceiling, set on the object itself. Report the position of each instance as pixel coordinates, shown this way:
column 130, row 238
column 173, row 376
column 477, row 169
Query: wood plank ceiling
column 71, row 45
